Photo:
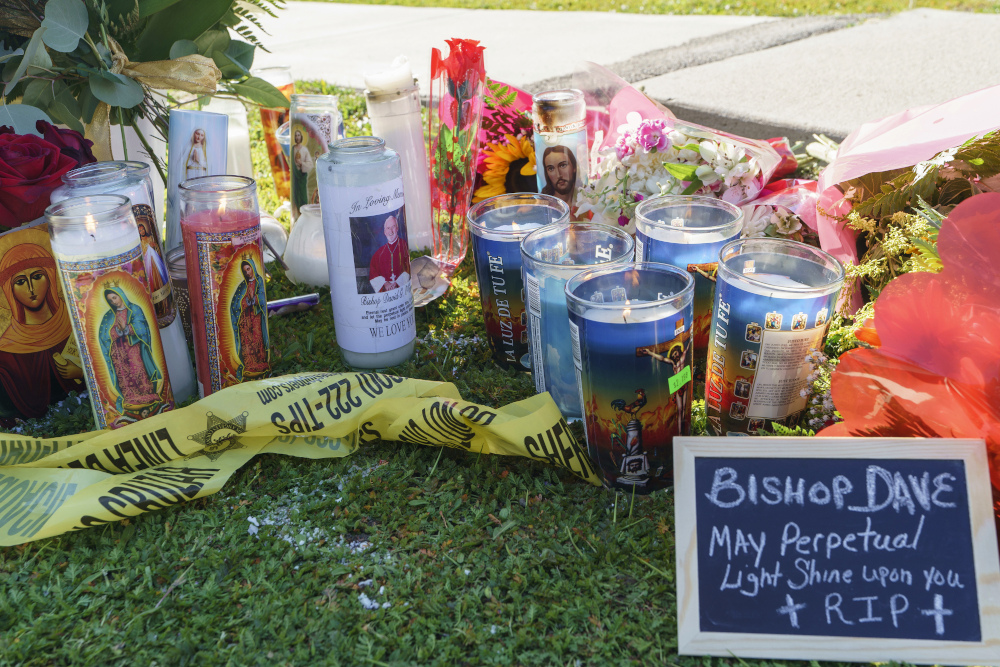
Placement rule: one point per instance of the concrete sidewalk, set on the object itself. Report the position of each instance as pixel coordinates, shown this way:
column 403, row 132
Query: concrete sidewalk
column 757, row 76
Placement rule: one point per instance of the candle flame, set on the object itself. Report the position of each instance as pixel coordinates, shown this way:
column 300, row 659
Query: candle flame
column 222, row 207
column 626, row 312
column 90, row 224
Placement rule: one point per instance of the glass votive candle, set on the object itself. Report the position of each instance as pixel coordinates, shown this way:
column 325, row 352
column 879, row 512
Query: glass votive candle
column 305, row 253
column 177, row 267
column 550, row 256
column 773, row 304
column 220, row 223
column 631, row 331
column 498, row 224
column 95, row 242
column 688, row 232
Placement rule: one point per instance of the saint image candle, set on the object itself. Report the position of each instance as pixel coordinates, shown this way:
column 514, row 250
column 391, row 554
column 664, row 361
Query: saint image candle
column 198, row 145
column 773, row 303
column 632, row 347
column 688, row 232
column 273, row 118
column 498, row 224
column 364, row 222
column 316, row 124
column 393, row 103
column 561, row 153
column 95, row 242
column 550, row 256
column 225, row 271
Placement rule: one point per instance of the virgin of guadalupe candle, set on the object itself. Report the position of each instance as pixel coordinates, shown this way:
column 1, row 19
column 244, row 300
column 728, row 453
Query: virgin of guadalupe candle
column 96, row 245
column 498, row 224
column 561, row 153
column 316, row 124
column 632, row 338
column 225, row 271
column 688, row 232
column 773, row 303
column 364, row 222
column 550, row 256
column 393, row 102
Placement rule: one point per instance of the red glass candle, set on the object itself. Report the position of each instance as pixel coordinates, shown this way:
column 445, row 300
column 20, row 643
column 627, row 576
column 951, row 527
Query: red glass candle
column 220, row 224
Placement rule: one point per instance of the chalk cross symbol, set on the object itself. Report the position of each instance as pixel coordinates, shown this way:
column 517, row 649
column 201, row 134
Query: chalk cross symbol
column 792, row 610
column 938, row 612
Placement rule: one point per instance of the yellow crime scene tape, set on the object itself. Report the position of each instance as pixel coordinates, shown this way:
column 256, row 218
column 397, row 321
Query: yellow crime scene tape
column 49, row 487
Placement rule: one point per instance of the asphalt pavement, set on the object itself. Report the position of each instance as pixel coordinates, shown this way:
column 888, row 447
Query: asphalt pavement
column 757, row 76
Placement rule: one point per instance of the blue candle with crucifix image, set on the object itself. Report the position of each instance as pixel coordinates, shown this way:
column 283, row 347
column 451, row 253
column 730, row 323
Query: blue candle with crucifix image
column 632, row 338
column 550, row 256
column 773, row 303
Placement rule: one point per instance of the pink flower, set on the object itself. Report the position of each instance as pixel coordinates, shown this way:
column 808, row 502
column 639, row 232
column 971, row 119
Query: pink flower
column 623, row 220
column 637, row 197
column 652, row 134
column 622, row 147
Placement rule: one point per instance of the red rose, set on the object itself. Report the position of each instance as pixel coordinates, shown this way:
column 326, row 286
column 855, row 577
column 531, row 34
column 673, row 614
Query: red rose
column 69, row 142
column 30, row 169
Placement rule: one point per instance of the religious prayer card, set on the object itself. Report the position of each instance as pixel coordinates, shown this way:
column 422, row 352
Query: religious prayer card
column 865, row 549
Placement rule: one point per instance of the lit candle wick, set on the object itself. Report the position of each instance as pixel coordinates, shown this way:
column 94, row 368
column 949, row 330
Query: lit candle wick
column 626, row 312
column 222, row 208
column 91, row 225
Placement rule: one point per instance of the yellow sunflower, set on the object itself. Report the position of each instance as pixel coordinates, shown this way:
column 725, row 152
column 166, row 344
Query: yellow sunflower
column 515, row 152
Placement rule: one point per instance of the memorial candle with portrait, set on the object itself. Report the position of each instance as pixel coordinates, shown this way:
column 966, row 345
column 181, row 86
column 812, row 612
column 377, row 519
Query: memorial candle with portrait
column 562, row 155
column 225, row 274
column 96, row 245
column 773, row 303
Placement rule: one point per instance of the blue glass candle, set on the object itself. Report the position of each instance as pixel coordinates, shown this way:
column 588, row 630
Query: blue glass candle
column 688, row 232
column 773, row 303
column 498, row 224
column 550, row 256
column 631, row 332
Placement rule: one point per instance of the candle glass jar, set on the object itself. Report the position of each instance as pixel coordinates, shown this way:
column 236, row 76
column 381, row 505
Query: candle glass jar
column 631, row 332
column 95, row 241
column 271, row 119
column 238, row 159
column 177, row 266
column 393, row 103
column 130, row 179
column 688, row 232
column 774, row 299
column 225, row 269
column 316, row 124
column 498, row 224
column 364, row 221
column 305, row 253
column 550, row 256
column 561, row 153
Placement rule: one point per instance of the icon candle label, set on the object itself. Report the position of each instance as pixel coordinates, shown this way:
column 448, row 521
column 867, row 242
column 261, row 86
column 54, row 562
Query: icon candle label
column 757, row 368
column 232, row 279
column 498, row 269
column 121, row 350
column 636, row 390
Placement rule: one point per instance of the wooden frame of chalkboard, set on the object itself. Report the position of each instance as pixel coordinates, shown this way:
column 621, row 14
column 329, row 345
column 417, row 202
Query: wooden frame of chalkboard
column 783, row 554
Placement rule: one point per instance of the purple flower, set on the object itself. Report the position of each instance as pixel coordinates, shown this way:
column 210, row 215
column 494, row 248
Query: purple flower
column 637, row 197
column 623, row 220
column 652, row 134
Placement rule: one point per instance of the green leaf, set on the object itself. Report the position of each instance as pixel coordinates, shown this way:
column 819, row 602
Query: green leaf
column 88, row 104
column 260, row 92
column 183, row 47
column 241, row 53
column 65, row 23
column 116, row 90
column 213, row 41
column 63, row 114
column 682, row 172
column 229, row 69
column 38, row 93
column 689, row 147
column 187, row 19
column 13, row 54
column 30, row 54
column 22, row 117
column 977, row 161
column 230, row 20
column 696, row 185
column 149, row 7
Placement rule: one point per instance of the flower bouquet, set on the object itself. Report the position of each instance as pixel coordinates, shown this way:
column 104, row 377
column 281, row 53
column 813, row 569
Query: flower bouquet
column 784, row 209
column 507, row 152
column 649, row 153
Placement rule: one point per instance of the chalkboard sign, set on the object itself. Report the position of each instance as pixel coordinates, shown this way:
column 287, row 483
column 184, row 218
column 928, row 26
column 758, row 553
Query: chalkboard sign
column 847, row 549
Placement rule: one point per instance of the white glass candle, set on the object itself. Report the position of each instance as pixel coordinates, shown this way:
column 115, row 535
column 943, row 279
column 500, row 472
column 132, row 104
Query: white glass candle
column 393, row 101
column 96, row 245
column 305, row 253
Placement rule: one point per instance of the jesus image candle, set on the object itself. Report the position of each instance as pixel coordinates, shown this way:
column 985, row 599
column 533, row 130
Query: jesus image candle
column 96, row 245
column 225, row 268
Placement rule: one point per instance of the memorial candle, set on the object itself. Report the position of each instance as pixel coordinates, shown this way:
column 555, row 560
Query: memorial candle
column 631, row 332
column 220, row 223
column 95, row 242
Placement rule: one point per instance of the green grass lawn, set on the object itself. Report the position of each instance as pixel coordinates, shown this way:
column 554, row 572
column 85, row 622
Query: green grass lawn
column 397, row 554
column 744, row 7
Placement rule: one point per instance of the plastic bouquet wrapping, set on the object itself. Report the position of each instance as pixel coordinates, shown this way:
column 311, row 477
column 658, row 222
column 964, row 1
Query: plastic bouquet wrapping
column 785, row 209
column 506, row 150
column 639, row 150
column 932, row 368
column 456, row 104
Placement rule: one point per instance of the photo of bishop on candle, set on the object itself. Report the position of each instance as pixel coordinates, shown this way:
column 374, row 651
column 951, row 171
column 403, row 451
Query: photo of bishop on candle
column 39, row 362
column 381, row 253
column 130, row 366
